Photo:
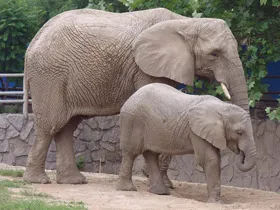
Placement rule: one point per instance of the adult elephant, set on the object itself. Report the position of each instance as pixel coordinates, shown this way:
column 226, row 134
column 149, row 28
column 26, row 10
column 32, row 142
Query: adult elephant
column 84, row 63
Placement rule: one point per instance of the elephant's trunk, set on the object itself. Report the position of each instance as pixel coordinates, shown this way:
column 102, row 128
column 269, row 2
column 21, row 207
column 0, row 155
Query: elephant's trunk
column 237, row 85
column 248, row 155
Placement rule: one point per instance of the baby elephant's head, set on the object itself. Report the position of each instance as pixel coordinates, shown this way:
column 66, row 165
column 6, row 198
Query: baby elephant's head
column 225, row 125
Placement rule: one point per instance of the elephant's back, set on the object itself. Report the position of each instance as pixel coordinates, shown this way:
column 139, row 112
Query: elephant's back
column 154, row 99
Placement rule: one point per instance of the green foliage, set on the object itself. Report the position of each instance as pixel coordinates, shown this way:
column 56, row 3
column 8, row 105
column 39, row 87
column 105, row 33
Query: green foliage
column 12, row 173
column 16, row 29
column 80, row 162
column 8, row 108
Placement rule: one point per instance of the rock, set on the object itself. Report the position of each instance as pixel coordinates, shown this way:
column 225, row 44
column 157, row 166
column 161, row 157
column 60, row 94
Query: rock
column 268, row 143
column 4, row 146
column 19, row 147
column 93, row 146
column 52, row 147
column 16, row 120
column 227, row 174
column 90, row 167
column 77, row 132
column 261, row 129
column 50, row 165
column 246, row 180
column 51, row 157
column 1, row 158
column 81, row 125
column 4, row 122
column 9, row 158
column 278, row 130
column 111, row 135
column 2, row 134
column 105, row 123
column 92, row 123
column 11, row 132
column 107, row 146
column 26, row 130
column 110, row 168
column 270, row 126
column 90, row 135
column 31, row 138
column 112, row 156
column 79, row 146
column 97, row 155
column 117, row 120
column 21, row 161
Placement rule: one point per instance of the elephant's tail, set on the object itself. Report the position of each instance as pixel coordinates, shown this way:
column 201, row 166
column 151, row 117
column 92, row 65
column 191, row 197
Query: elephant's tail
column 25, row 90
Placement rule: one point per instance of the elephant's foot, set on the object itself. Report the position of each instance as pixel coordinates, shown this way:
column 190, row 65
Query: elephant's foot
column 159, row 189
column 215, row 200
column 125, row 185
column 71, row 178
column 33, row 175
column 167, row 182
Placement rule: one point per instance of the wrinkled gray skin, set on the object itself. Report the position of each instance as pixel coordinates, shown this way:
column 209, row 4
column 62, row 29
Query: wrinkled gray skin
column 160, row 119
column 86, row 63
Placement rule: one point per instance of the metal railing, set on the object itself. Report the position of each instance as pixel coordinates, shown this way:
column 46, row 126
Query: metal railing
column 14, row 93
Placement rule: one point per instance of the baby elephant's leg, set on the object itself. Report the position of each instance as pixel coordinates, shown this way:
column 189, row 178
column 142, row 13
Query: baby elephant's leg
column 125, row 174
column 155, row 177
column 212, row 174
column 208, row 157
column 164, row 161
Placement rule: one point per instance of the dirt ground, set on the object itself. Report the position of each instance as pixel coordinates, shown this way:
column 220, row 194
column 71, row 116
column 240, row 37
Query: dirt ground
column 100, row 194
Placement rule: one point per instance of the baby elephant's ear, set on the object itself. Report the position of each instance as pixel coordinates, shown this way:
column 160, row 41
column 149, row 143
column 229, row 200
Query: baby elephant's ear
column 208, row 124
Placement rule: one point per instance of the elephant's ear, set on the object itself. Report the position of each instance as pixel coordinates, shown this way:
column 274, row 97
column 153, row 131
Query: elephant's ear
column 161, row 51
column 206, row 122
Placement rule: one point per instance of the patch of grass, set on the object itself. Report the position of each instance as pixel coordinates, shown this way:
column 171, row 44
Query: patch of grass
column 13, row 173
column 28, row 193
column 9, row 202
column 36, row 204
column 12, row 184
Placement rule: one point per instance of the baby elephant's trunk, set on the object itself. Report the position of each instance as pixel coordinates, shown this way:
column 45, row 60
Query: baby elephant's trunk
column 248, row 156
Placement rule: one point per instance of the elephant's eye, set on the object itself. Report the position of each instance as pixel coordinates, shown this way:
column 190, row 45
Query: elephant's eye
column 239, row 132
column 215, row 54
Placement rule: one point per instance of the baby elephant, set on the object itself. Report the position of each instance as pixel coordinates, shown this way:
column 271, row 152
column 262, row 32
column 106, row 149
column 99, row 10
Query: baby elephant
column 160, row 119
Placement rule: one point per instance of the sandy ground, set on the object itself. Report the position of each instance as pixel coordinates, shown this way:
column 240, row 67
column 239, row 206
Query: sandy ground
column 100, row 194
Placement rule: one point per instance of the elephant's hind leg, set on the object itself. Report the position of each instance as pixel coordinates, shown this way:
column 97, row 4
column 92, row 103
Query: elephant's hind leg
column 125, row 175
column 155, row 177
column 35, row 169
column 67, row 171
column 164, row 161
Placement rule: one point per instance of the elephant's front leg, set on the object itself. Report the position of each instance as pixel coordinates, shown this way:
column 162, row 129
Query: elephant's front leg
column 125, row 175
column 212, row 173
column 208, row 157
column 67, row 171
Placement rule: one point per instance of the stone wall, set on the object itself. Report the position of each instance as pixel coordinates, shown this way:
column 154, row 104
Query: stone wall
column 97, row 141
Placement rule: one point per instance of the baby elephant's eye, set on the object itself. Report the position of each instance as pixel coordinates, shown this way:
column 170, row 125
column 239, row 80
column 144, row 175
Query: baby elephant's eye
column 215, row 54
column 239, row 132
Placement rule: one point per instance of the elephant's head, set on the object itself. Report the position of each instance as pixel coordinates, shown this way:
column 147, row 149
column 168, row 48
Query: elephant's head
column 225, row 125
column 179, row 49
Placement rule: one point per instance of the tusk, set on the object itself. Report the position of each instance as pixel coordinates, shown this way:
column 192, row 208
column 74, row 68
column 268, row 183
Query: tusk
column 225, row 91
